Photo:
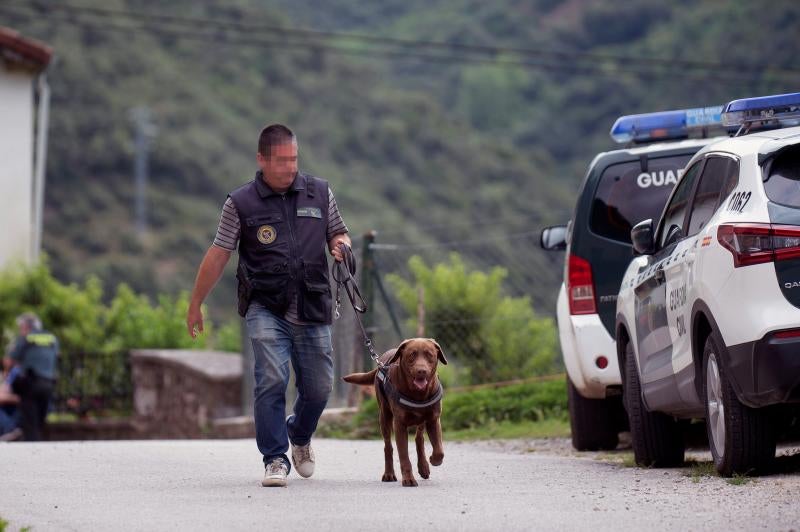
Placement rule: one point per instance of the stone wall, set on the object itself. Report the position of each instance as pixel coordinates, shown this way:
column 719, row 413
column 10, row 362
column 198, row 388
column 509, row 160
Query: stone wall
column 179, row 394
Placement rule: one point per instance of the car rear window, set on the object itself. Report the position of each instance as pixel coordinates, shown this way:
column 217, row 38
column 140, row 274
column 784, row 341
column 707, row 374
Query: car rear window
column 783, row 181
column 626, row 195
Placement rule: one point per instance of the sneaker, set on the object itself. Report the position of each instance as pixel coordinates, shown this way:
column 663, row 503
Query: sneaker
column 303, row 459
column 275, row 474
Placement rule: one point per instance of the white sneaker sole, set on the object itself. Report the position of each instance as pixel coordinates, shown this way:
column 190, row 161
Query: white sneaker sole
column 302, row 473
column 274, row 482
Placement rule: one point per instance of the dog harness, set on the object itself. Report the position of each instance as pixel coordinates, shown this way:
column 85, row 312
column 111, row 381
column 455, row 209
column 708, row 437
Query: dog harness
column 392, row 392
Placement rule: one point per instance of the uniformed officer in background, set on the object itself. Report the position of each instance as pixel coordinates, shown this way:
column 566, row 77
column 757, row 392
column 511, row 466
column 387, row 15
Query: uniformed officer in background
column 281, row 223
column 34, row 352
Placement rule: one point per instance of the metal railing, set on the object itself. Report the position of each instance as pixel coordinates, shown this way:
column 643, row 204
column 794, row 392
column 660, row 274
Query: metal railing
column 93, row 383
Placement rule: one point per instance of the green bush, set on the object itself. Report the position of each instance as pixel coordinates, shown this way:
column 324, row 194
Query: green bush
column 84, row 323
column 489, row 335
column 94, row 336
column 229, row 337
column 518, row 402
column 535, row 401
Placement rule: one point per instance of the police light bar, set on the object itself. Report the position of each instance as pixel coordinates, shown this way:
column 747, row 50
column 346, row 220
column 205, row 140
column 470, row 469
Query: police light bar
column 664, row 125
column 771, row 110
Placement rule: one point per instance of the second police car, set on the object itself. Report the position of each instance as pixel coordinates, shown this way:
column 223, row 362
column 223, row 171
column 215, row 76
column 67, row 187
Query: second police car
column 708, row 314
column 621, row 188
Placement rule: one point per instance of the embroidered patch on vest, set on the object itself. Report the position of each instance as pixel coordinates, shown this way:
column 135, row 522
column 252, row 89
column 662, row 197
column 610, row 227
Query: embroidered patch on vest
column 266, row 234
column 309, row 212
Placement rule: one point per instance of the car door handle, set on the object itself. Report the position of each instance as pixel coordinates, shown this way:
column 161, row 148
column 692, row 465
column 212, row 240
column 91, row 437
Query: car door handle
column 659, row 276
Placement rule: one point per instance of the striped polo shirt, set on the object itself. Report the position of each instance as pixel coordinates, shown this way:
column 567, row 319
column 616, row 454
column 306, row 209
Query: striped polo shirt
column 229, row 230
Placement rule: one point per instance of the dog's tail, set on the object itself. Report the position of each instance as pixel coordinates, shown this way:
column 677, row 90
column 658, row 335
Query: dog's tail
column 361, row 378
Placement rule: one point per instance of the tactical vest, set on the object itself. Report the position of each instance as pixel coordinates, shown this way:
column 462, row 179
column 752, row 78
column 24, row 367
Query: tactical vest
column 39, row 352
column 282, row 247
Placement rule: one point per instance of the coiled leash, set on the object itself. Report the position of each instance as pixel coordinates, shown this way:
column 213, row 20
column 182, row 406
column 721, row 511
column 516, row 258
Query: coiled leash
column 343, row 273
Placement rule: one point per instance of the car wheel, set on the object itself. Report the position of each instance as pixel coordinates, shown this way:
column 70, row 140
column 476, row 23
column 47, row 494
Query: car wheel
column 657, row 438
column 741, row 439
column 594, row 422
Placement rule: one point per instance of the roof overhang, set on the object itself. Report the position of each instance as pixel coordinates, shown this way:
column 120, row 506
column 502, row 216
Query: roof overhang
column 24, row 53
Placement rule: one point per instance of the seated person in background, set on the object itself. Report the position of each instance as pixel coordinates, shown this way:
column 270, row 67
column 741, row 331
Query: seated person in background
column 35, row 352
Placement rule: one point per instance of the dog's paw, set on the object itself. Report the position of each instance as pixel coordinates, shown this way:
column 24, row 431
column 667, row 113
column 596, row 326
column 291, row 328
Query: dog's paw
column 437, row 459
column 410, row 483
column 388, row 477
column 424, row 471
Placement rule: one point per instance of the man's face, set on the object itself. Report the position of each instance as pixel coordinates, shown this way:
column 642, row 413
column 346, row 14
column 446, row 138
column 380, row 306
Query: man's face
column 279, row 166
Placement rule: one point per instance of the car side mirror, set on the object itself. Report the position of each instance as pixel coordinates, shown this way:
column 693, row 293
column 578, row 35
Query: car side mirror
column 554, row 238
column 642, row 238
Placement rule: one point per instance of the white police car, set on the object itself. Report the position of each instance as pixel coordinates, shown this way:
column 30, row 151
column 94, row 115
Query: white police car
column 708, row 314
column 621, row 188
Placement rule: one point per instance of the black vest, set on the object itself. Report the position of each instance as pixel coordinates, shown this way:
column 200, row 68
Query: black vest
column 282, row 247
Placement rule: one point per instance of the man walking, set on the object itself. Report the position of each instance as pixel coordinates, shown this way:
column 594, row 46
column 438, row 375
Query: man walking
column 35, row 352
column 281, row 222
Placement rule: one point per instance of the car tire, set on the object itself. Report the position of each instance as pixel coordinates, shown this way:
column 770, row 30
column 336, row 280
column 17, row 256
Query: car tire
column 594, row 422
column 657, row 438
column 742, row 439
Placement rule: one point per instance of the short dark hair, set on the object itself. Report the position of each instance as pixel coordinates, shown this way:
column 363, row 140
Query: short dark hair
column 274, row 135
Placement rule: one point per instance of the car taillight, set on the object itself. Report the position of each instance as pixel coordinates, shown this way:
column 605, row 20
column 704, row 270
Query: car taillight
column 759, row 243
column 789, row 333
column 580, row 286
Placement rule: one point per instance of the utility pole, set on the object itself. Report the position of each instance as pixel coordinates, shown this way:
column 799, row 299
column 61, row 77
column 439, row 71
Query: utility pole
column 145, row 133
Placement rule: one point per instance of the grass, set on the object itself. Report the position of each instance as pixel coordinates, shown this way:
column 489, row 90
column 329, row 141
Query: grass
column 700, row 470
column 4, row 526
column 739, row 479
column 628, row 460
column 622, row 458
column 504, row 430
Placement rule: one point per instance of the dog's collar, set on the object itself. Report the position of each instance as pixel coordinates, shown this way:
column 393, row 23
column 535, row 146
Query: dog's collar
column 393, row 393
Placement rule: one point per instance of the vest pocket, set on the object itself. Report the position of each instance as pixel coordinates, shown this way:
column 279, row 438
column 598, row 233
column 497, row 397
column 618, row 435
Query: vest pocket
column 316, row 294
column 272, row 283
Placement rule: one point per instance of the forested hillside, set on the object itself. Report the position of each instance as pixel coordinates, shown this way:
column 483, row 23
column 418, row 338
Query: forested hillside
column 411, row 137
column 586, row 61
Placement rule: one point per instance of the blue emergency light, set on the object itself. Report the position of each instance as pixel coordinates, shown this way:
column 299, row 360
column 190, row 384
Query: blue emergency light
column 769, row 111
column 664, row 125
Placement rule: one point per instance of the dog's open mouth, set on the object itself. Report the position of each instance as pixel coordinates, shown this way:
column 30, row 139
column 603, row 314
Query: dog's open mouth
column 420, row 383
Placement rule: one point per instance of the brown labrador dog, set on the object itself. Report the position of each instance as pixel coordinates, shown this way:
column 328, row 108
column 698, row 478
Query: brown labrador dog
column 411, row 398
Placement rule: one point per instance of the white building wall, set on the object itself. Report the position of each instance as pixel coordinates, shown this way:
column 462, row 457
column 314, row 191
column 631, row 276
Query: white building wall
column 16, row 166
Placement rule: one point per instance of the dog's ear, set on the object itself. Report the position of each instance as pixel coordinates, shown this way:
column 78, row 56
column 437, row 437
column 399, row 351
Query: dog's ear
column 399, row 352
column 439, row 352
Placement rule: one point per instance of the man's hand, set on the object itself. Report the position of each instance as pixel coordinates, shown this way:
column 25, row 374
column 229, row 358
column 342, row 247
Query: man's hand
column 333, row 245
column 194, row 320
column 337, row 253
column 207, row 276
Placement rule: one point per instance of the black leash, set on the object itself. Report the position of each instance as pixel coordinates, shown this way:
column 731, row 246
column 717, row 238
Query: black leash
column 343, row 273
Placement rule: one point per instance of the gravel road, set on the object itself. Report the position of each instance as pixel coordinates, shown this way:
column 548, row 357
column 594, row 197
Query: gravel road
column 511, row 485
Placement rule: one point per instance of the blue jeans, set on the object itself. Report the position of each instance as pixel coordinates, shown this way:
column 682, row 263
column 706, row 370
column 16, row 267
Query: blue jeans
column 276, row 343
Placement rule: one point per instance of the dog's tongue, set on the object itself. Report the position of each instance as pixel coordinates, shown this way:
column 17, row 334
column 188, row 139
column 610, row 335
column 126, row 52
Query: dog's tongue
column 420, row 383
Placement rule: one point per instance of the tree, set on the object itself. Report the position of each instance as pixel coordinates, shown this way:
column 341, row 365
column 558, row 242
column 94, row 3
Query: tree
column 490, row 335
